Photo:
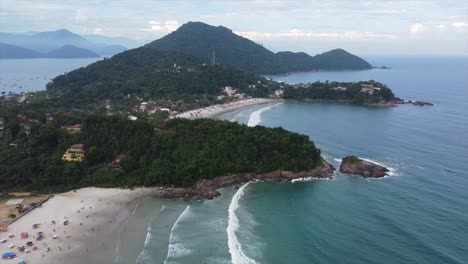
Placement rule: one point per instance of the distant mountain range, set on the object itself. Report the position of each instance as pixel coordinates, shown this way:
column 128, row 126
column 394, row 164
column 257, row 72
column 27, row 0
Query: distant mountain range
column 206, row 41
column 59, row 44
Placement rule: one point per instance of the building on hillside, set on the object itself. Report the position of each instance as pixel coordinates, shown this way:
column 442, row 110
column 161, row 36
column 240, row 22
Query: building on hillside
column 369, row 88
column 143, row 106
column 73, row 128
column 75, row 153
column 49, row 117
column 116, row 162
column 2, row 126
column 340, row 88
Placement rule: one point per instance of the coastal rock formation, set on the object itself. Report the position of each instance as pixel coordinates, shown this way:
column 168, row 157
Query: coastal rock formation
column 367, row 169
column 208, row 188
column 421, row 103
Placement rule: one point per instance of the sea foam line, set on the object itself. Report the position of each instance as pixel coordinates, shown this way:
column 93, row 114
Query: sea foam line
column 141, row 256
column 235, row 248
column 172, row 249
column 256, row 117
column 391, row 170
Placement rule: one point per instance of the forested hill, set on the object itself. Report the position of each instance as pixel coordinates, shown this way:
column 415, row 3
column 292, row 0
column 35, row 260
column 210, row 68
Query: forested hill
column 179, row 154
column 150, row 73
column 199, row 39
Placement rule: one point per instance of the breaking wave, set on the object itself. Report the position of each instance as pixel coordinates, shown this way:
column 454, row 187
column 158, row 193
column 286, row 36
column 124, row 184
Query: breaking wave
column 176, row 249
column 392, row 170
column 235, row 248
column 143, row 256
column 256, row 117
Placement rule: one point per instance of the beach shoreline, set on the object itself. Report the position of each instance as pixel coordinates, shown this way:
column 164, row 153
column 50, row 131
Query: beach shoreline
column 95, row 218
column 215, row 111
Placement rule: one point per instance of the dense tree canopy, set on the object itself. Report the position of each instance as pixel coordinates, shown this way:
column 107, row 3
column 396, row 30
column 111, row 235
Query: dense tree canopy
column 331, row 91
column 201, row 40
column 179, row 154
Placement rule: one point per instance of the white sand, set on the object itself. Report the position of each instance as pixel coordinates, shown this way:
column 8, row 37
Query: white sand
column 96, row 216
column 215, row 110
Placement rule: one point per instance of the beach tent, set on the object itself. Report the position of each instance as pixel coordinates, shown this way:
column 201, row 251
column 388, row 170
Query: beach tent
column 8, row 255
column 21, row 261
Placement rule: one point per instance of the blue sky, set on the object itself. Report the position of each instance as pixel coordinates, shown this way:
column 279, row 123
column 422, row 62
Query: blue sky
column 418, row 27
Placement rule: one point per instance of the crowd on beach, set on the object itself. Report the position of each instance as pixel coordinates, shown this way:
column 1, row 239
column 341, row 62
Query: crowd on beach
column 215, row 110
column 69, row 224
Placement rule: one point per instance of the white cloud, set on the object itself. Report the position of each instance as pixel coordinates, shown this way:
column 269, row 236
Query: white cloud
column 460, row 25
column 98, row 31
column 299, row 34
column 165, row 27
column 417, row 28
column 82, row 15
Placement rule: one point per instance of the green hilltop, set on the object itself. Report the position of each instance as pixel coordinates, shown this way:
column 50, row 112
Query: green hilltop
column 202, row 40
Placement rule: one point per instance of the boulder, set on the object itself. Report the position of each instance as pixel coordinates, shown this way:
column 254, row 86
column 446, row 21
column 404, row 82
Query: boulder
column 367, row 169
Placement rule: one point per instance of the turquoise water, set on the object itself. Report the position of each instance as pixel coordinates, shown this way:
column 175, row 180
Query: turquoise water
column 417, row 215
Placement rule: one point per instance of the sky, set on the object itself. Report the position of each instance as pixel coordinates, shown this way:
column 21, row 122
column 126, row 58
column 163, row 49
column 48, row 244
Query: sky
column 386, row 27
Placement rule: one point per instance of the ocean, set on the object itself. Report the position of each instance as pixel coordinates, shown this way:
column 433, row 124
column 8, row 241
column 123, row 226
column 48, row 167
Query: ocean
column 30, row 75
column 418, row 214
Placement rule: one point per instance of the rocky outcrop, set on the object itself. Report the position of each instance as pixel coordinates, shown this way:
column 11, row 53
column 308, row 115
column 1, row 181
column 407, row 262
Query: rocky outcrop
column 421, row 103
column 367, row 169
column 208, row 188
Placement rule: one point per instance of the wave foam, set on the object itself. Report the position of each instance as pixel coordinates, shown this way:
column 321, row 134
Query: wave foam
column 235, row 248
column 307, row 179
column 392, row 170
column 256, row 117
column 175, row 249
column 143, row 256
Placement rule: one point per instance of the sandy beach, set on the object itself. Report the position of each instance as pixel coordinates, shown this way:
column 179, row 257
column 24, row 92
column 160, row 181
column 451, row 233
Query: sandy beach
column 95, row 217
column 216, row 110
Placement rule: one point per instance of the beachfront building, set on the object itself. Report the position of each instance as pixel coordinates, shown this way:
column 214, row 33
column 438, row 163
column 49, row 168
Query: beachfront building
column 279, row 92
column 75, row 153
column 369, row 88
column 228, row 90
